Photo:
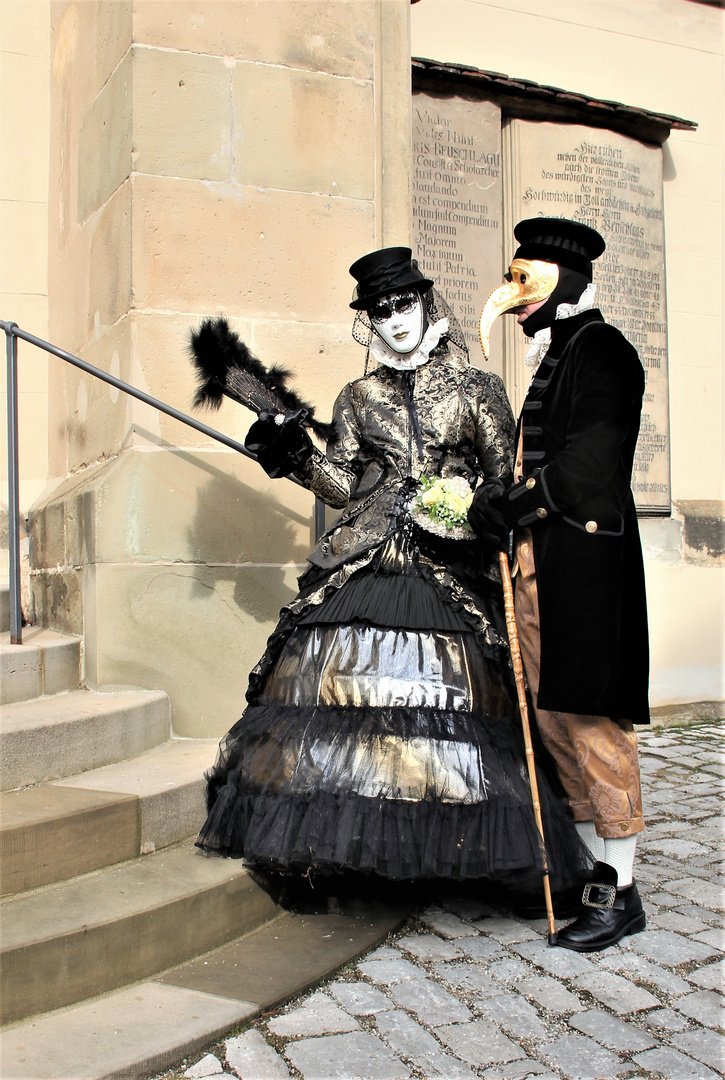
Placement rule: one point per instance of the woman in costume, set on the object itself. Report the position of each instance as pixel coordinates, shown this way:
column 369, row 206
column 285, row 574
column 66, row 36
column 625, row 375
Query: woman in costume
column 380, row 733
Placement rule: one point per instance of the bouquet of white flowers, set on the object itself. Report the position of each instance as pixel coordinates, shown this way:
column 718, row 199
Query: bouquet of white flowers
column 441, row 506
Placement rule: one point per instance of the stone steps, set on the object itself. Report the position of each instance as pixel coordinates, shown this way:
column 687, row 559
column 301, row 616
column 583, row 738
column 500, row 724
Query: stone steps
column 53, row 832
column 50, row 738
column 50, row 834
column 67, row 942
column 103, row 893
column 46, row 663
column 142, row 1030
column 169, row 784
column 123, row 948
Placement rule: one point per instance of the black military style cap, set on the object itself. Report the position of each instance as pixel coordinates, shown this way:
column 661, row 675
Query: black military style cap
column 559, row 240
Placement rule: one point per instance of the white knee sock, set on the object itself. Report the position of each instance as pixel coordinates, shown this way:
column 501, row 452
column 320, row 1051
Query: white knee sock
column 620, row 854
column 588, row 834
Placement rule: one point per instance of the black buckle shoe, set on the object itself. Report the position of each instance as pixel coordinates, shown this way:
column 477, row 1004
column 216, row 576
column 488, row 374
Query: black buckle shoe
column 609, row 914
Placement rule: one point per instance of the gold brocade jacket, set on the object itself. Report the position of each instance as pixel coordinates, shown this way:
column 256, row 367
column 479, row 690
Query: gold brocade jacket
column 465, row 428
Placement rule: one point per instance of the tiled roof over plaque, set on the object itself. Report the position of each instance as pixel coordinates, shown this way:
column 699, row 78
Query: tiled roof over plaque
column 531, row 101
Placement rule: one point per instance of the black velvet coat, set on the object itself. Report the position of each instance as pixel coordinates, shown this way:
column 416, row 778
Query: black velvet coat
column 580, row 422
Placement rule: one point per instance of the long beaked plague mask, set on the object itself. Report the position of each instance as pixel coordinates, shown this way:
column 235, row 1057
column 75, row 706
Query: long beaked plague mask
column 529, row 280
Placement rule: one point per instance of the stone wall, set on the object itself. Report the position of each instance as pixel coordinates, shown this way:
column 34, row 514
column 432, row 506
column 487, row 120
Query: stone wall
column 24, row 125
column 237, row 157
column 666, row 56
column 230, row 158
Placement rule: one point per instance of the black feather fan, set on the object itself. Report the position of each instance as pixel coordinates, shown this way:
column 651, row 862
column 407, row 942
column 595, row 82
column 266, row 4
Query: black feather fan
column 224, row 365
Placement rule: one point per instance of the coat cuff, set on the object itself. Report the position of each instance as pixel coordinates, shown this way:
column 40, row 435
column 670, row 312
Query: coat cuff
column 527, row 502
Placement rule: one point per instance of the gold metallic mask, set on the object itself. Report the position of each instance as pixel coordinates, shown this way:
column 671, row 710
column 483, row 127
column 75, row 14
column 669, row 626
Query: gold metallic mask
column 531, row 280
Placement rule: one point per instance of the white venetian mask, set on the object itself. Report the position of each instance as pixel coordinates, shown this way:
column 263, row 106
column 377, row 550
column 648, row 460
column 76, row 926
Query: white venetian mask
column 398, row 319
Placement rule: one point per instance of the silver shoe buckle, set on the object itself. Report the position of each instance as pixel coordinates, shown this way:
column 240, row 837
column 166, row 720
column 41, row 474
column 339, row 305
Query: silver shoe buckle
column 609, row 891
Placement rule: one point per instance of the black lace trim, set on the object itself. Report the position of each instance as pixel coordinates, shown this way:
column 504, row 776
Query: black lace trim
column 397, row 840
column 254, row 810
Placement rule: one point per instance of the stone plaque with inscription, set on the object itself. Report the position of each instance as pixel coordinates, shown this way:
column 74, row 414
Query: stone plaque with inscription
column 614, row 184
column 457, row 205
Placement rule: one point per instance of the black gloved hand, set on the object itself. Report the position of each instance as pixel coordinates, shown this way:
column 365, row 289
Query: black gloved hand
column 263, row 433
column 486, row 520
column 279, row 448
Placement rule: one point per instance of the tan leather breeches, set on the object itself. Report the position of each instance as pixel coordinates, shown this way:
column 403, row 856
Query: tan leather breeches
column 596, row 757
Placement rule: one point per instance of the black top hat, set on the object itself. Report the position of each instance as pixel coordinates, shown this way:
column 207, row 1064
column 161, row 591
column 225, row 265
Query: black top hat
column 384, row 271
column 559, row 240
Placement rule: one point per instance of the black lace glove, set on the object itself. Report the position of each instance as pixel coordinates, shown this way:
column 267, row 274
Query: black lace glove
column 279, row 448
column 486, row 519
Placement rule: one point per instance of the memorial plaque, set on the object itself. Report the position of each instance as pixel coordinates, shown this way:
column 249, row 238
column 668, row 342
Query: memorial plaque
column 614, row 184
column 457, row 206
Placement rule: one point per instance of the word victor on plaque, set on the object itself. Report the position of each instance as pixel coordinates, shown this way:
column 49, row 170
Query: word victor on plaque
column 457, row 208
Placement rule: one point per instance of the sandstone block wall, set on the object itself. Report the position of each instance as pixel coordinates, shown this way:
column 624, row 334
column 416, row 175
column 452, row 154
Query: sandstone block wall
column 205, row 159
column 24, row 126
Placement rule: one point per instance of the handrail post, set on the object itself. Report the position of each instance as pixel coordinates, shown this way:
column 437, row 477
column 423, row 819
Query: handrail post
column 16, row 615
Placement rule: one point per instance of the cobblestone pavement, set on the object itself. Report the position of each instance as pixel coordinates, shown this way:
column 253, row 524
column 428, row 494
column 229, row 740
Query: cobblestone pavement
column 465, row 991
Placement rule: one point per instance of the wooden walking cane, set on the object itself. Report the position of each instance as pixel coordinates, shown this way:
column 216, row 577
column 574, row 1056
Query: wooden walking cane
column 513, row 634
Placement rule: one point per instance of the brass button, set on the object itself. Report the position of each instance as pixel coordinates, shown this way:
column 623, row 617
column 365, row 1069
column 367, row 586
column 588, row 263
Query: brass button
column 625, row 826
column 541, row 512
column 591, row 526
column 531, row 483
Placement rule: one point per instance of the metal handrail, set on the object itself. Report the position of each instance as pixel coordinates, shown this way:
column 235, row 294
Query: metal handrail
column 12, row 333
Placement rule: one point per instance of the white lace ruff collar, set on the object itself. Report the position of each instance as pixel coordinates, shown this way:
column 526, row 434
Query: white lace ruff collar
column 409, row 361
column 542, row 338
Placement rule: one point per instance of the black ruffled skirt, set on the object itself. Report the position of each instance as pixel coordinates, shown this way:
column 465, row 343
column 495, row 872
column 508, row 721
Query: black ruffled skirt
column 382, row 737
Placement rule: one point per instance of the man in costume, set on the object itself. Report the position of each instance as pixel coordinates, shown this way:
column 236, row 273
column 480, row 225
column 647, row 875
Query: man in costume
column 580, row 595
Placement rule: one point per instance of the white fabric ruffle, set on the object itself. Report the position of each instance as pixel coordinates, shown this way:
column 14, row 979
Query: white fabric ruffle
column 542, row 338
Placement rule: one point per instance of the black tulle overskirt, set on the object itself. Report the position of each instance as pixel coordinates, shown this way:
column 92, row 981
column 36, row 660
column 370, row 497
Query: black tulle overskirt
column 324, row 772
column 288, row 809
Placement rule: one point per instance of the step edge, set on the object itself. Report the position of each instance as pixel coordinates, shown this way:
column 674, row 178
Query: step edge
column 166, row 749
column 151, row 1066
column 154, row 1062
column 127, row 867
column 187, row 840
column 126, row 837
column 82, row 692
column 82, row 930
column 60, row 988
column 113, row 798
